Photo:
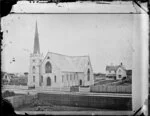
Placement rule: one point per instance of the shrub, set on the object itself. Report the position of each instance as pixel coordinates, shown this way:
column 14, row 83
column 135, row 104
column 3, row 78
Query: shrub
column 8, row 94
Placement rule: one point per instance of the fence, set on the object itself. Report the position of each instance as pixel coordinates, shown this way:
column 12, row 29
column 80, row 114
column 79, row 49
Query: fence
column 111, row 89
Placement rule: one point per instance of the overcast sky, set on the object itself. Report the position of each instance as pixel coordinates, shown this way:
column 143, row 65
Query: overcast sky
column 105, row 38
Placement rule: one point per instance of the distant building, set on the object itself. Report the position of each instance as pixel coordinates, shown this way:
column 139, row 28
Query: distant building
column 129, row 74
column 57, row 70
column 116, row 72
column 8, row 76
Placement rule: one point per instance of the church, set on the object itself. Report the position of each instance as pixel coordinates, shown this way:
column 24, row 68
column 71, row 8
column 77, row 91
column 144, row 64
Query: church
column 58, row 70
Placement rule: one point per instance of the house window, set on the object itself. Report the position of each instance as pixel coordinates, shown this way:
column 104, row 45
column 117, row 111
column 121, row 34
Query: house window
column 55, row 78
column 33, row 69
column 48, row 68
column 33, row 78
column 88, row 74
column 119, row 76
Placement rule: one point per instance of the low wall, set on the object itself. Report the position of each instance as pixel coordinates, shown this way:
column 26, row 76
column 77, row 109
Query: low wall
column 20, row 100
column 15, row 87
column 110, row 89
column 100, row 102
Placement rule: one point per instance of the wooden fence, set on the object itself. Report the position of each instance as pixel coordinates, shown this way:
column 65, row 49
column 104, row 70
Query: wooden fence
column 111, row 89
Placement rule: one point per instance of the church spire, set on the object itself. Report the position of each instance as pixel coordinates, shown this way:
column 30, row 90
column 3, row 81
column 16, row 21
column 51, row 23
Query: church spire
column 36, row 41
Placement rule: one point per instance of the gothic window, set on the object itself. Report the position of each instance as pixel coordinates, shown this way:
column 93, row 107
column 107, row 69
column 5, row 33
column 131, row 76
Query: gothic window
column 33, row 69
column 48, row 81
column 88, row 74
column 33, row 78
column 55, row 79
column 48, row 68
column 41, row 79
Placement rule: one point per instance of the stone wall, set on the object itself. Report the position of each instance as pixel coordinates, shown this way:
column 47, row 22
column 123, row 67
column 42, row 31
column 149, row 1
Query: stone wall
column 20, row 100
column 100, row 102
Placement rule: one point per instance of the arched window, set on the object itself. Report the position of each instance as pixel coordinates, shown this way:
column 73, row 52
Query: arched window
column 48, row 68
column 41, row 79
column 88, row 74
column 33, row 69
column 55, row 78
column 48, row 81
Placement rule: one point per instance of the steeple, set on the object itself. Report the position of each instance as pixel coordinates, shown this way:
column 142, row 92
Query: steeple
column 36, row 42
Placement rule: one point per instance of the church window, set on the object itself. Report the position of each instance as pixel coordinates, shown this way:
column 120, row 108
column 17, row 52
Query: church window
column 70, row 77
column 88, row 74
column 33, row 78
column 74, row 77
column 67, row 77
column 48, row 81
column 62, row 78
column 33, row 69
column 48, row 68
column 41, row 79
column 55, row 78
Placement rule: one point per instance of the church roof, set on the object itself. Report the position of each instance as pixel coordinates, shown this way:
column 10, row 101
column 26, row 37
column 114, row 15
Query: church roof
column 36, row 41
column 69, row 63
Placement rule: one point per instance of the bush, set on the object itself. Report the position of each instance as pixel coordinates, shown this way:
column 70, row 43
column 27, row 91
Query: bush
column 8, row 94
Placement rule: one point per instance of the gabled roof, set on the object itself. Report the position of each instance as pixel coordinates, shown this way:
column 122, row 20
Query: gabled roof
column 114, row 68
column 69, row 63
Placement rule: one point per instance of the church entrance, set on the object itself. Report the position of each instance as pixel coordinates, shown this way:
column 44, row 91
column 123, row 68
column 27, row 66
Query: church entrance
column 80, row 82
column 48, row 81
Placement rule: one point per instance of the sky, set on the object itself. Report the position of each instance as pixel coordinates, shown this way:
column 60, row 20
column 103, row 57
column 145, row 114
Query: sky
column 106, row 38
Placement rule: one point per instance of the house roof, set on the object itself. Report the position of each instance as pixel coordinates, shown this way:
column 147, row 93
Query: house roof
column 69, row 63
column 114, row 68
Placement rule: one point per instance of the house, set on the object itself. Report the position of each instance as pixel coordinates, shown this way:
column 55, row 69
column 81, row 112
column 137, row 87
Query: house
column 117, row 72
column 7, row 77
column 58, row 70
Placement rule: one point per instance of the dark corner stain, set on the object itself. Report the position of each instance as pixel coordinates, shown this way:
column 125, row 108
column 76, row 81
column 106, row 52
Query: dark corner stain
column 6, row 6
